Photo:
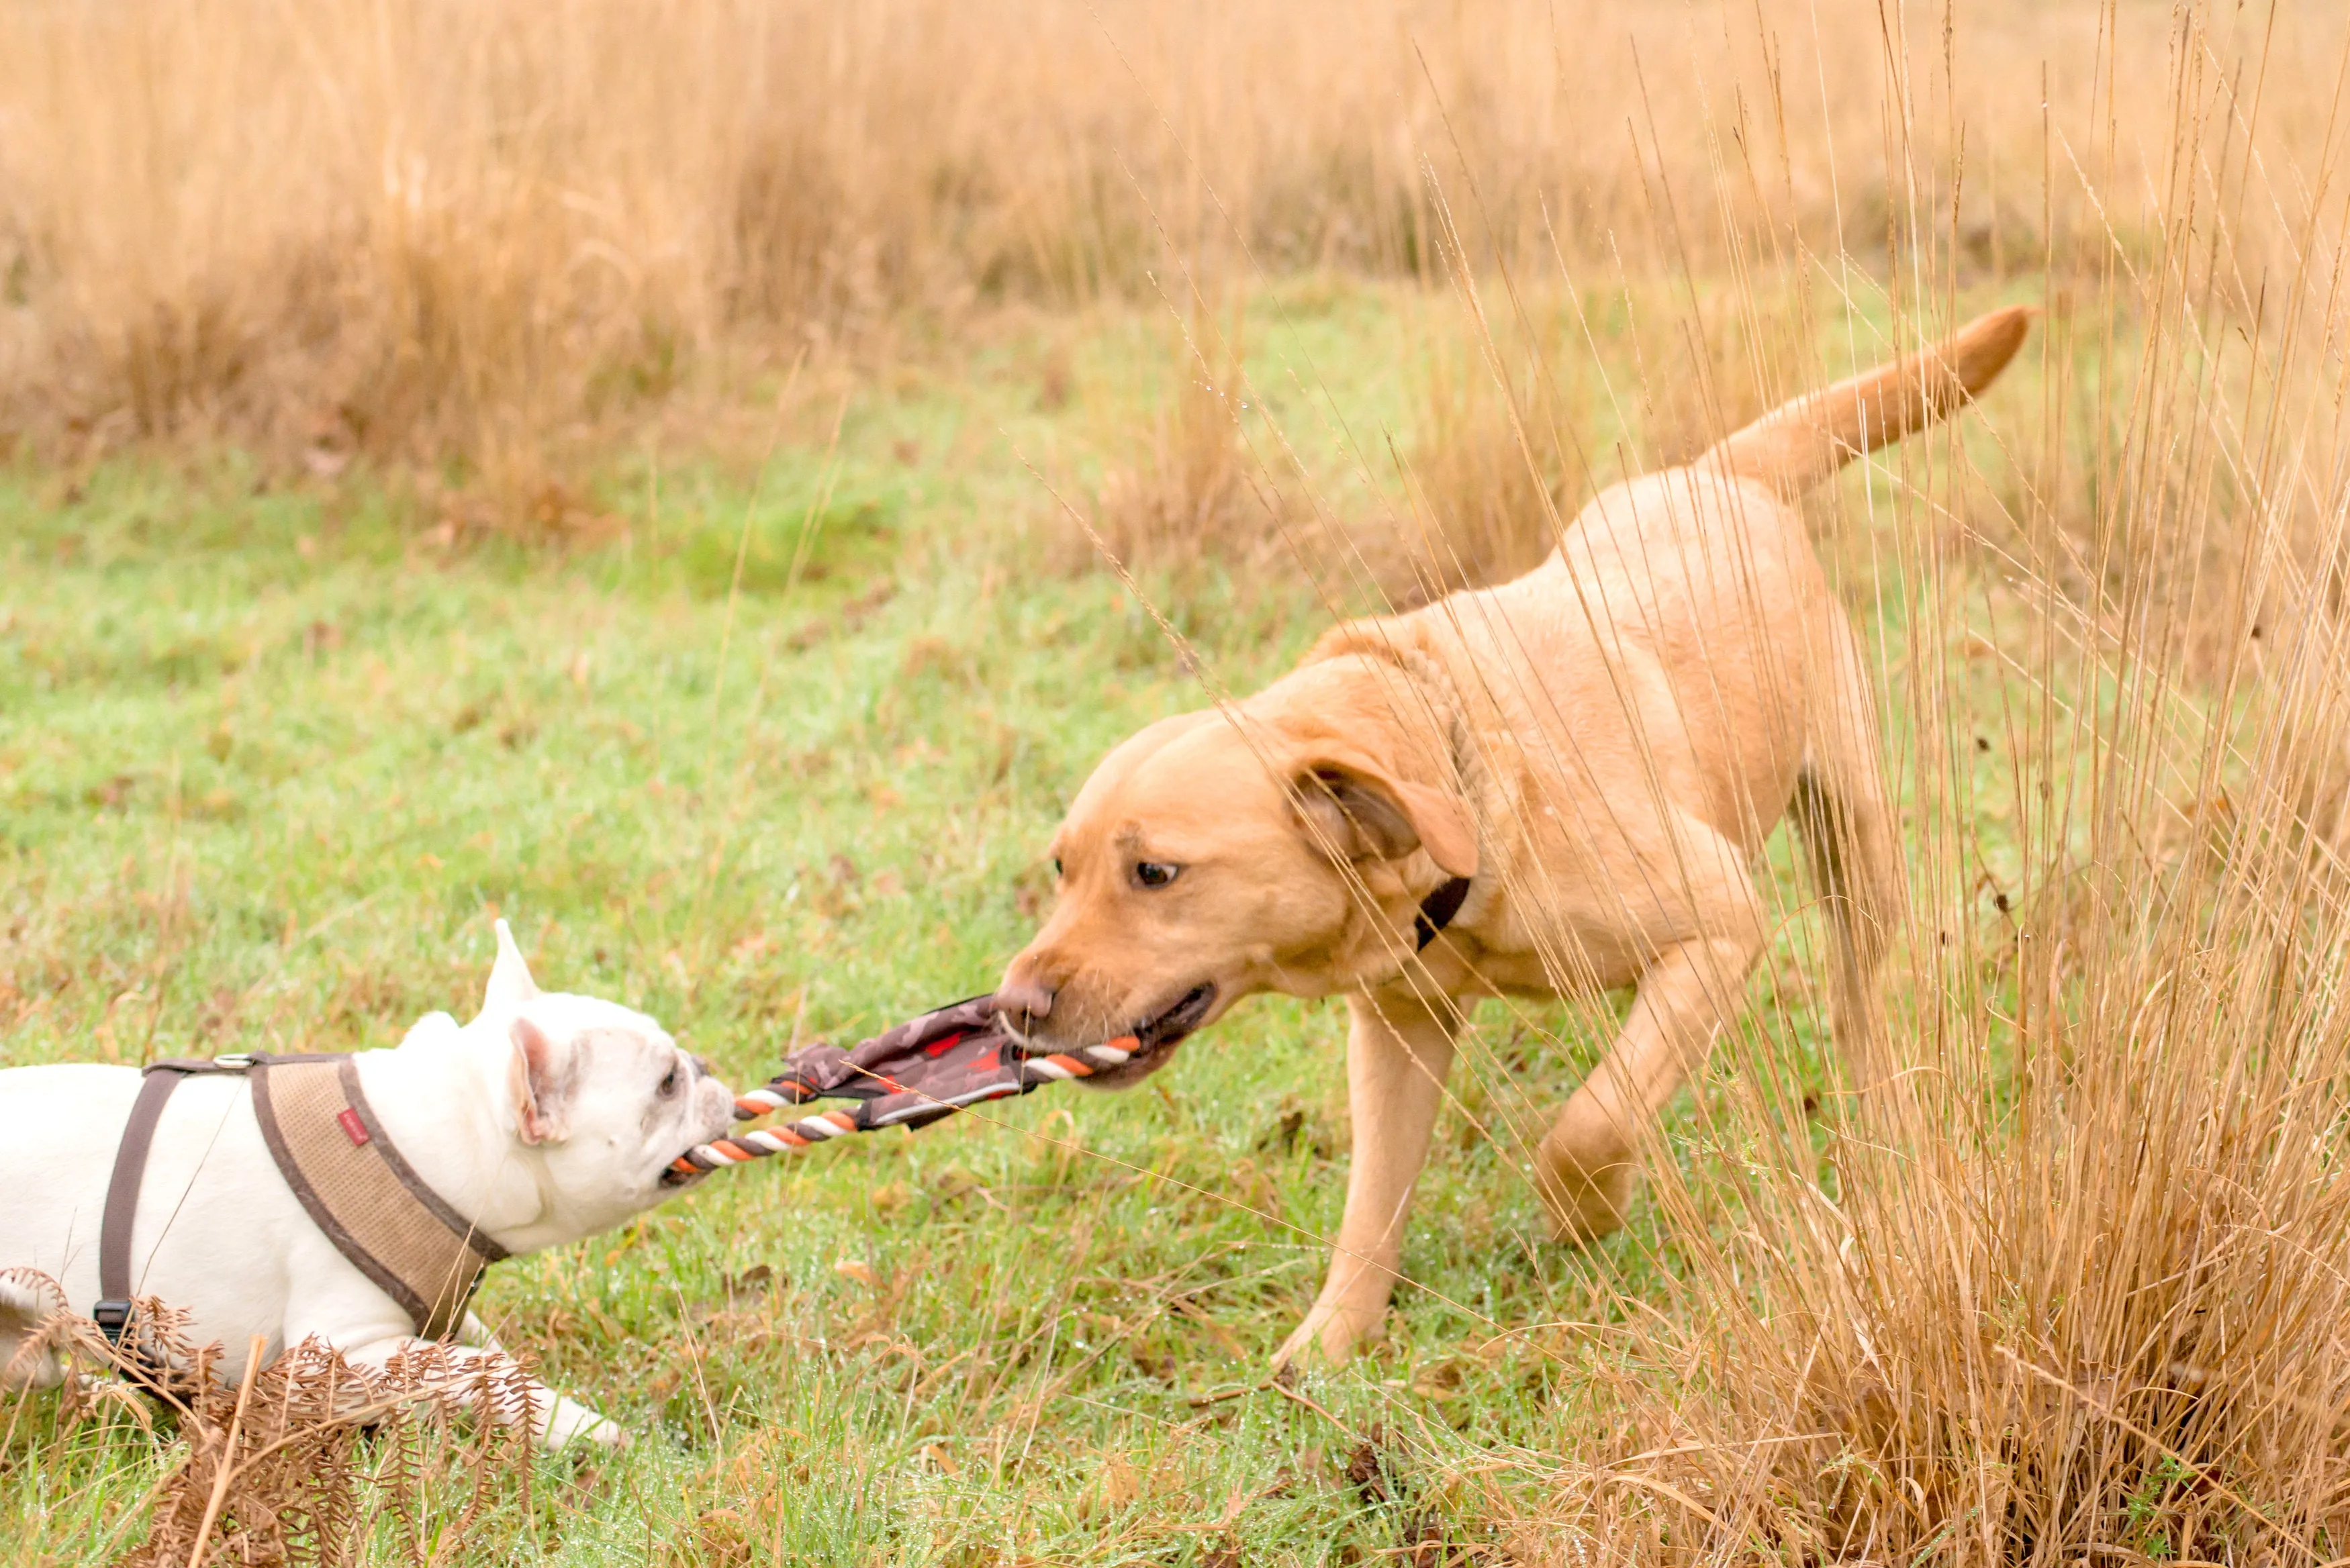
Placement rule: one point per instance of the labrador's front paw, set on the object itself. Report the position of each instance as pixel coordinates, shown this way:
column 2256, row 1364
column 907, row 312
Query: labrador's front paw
column 1585, row 1203
column 1328, row 1336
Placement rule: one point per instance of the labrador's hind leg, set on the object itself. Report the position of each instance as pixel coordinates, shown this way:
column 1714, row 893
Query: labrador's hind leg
column 1848, row 832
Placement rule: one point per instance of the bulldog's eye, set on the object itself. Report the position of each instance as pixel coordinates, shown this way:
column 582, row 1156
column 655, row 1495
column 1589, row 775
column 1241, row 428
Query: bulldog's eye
column 668, row 1084
column 1155, row 873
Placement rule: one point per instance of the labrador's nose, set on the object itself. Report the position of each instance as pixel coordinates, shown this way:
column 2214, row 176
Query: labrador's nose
column 1023, row 999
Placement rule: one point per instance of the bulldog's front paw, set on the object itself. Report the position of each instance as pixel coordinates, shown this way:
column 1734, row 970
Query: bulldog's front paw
column 570, row 1423
column 1328, row 1336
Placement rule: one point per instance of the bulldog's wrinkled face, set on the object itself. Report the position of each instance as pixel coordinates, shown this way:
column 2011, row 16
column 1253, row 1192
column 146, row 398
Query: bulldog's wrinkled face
column 603, row 1098
column 1202, row 863
column 609, row 1100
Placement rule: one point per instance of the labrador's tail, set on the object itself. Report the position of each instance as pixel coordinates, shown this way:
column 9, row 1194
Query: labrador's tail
column 1798, row 445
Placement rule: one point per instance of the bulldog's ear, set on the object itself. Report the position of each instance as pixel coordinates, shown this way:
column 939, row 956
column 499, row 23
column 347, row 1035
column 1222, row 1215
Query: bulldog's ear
column 1354, row 808
column 510, row 983
column 544, row 1078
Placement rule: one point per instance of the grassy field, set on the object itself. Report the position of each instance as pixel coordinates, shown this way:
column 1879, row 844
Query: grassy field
column 637, row 482
column 772, row 751
column 275, row 758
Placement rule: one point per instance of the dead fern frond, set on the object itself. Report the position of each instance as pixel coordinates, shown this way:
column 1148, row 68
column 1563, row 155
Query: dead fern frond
column 301, row 1460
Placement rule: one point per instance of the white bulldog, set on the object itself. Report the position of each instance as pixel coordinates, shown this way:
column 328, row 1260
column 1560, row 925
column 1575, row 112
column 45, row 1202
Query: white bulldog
column 547, row 1118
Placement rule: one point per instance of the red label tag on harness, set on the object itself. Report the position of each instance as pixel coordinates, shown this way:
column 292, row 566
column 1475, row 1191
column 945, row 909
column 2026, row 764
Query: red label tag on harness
column 353, row 1129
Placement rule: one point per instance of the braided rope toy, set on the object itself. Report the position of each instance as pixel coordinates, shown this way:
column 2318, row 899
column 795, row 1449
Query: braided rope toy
column 924, row 1069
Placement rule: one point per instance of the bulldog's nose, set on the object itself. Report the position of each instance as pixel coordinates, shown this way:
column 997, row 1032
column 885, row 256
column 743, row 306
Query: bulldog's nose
column 1023, row 1000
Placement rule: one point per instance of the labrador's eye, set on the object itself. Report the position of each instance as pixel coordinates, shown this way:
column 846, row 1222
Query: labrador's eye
column 1155, row 873
column 668, row 1084
column 1056, row 865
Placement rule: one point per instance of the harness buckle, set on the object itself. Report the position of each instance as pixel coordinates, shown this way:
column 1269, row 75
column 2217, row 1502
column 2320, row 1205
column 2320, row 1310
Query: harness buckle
column 113, row 1319
column 236, row 1061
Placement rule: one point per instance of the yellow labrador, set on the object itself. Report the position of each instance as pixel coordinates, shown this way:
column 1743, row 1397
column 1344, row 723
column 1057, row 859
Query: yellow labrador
column 1549, row 787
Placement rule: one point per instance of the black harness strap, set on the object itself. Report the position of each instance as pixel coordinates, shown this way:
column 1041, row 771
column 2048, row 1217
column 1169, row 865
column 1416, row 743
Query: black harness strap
column 112, row 1312
column 1436, row 911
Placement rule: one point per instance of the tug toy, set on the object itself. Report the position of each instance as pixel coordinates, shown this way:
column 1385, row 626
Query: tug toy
column 924, row 1069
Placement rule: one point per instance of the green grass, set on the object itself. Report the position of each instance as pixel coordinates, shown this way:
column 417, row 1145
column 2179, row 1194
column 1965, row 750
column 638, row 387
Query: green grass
column 272, row 760
column 271, row 764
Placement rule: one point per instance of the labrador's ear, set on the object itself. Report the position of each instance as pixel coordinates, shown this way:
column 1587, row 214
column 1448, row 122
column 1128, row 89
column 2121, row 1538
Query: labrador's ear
column 510, row 983
column 544, row 1078
column 1356, row 810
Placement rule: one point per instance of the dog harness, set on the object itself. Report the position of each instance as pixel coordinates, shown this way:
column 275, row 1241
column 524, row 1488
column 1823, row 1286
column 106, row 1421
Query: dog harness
column 934, row 1065
column 349, row 1180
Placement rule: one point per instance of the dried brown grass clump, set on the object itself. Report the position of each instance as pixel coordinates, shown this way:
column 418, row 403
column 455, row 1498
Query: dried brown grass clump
column 307, row 1462
column 2102, row 1320
column 1492, row 476
column 1195, row 491
column 1185, row 491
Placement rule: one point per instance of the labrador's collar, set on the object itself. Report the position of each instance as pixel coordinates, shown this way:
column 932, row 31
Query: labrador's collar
column 1436, row 911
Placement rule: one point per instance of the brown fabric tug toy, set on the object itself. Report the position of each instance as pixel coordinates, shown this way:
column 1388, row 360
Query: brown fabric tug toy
column 924, row 1069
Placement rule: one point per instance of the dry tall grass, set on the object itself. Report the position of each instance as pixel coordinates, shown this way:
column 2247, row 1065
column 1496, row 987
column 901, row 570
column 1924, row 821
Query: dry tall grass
column 431, row 229
column 2090, row 1302
column 2075, row 1290
column 1194, row 491
column 1490, row 475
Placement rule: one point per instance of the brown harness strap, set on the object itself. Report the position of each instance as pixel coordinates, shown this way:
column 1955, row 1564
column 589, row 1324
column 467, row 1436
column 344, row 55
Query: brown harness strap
column 368, row 1200
column 346, row 1173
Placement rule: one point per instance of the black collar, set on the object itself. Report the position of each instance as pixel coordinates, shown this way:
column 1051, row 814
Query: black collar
column 1436, row 911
